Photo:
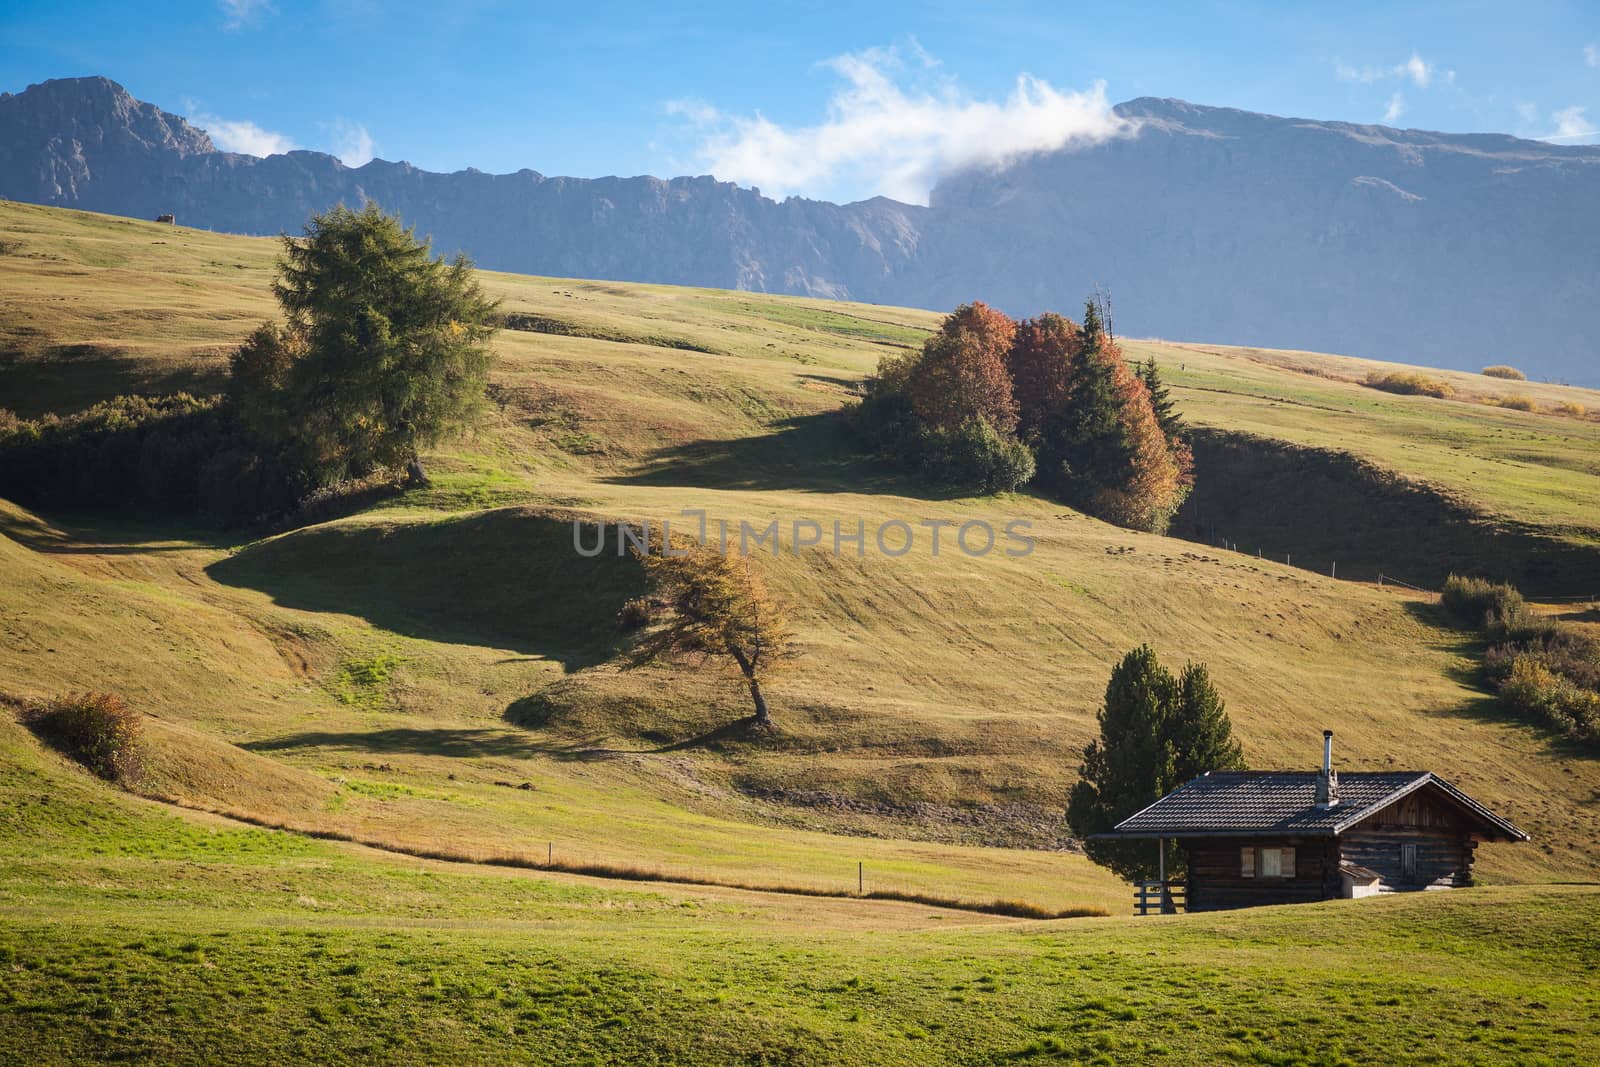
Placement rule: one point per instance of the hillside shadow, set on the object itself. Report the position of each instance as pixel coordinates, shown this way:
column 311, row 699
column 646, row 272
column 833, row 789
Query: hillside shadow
column 502, row 579
column 461, row 743
column 537, row 712
column 474, row 743
column 809, row 453
column 65, row 381
column 123, row 533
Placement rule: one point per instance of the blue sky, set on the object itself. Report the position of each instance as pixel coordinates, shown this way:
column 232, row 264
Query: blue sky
column 831, row 101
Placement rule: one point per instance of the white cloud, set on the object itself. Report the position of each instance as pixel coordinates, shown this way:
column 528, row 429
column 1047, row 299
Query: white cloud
column 1591, row 54
column 242, row 136
column 1571, row 125
column 1396, row 108
column 895, row 133
column 1528, row 113
column 242, row 14
column 350, row 141
column 1415, row 70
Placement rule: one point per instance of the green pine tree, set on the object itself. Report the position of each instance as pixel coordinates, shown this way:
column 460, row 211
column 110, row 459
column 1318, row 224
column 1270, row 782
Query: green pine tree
column 1156, row 733
column 1090, row 447
column 1200, row 731
column 1161, row 400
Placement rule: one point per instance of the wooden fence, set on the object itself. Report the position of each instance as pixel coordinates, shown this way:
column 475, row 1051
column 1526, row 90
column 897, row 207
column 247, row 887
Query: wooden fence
column 1158, row 898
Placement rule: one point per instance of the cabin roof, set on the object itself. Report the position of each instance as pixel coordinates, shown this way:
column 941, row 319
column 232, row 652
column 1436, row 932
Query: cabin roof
column 1259, row 803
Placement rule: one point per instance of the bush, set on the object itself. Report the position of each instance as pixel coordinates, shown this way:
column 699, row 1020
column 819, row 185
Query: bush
column 1546, row 672
column 98, row 730
column 1410, row 383
column 168, row 453
column 1536, row 693
column 1518, row 402
column 636, row 613
column 1480, row 603
column 1500, row 370
column 974, row 458
column 1568, row 407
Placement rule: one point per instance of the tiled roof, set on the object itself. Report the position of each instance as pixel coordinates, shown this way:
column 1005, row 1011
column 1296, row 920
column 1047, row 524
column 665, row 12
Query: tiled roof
column 1250, row 803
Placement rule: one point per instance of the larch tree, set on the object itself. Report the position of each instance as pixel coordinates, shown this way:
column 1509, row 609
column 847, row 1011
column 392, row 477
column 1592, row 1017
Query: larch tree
column 385, row 351
column 716, row 606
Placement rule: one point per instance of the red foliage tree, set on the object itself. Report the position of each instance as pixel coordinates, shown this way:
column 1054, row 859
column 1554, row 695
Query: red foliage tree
column 962, row 371
column 1041, row 370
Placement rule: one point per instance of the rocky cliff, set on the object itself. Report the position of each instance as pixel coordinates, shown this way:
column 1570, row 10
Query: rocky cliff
column 1206, row 224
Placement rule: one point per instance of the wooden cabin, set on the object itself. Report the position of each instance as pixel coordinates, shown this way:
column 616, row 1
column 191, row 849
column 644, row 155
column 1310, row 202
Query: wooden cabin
column 1282, row 837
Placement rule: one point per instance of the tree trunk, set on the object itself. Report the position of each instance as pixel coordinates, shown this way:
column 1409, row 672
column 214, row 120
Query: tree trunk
column 763, row 716
column 415, row 475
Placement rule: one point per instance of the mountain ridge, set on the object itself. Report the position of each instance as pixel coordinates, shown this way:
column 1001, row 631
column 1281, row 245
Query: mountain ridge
column 1207, row 223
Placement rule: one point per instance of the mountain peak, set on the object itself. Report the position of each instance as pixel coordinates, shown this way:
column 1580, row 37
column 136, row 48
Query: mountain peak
column 96, row 110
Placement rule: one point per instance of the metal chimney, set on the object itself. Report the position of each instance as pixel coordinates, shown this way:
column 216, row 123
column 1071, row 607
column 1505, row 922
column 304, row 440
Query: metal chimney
column 1327, row 780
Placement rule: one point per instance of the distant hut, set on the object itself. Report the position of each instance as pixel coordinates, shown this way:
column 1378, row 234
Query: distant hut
column 1282, row 837
column 169, row 219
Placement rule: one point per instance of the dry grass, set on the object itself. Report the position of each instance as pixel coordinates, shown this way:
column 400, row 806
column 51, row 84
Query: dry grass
column 941, row 701
column 1500, row 370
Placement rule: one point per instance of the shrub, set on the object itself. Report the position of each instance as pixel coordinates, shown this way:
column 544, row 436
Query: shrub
column 974, row 458
column 636, row 613
column 169, row 453
column 1518, row 402
column 98, row 730
column 1536, row 693
column 1500, row 370
column 1568, row 407
column 1477, row 601
column 1410, row 383
column 1546, row 672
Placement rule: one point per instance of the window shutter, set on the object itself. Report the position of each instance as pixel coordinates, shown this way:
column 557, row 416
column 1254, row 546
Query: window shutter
column 1247, row 863
column 1288, row 862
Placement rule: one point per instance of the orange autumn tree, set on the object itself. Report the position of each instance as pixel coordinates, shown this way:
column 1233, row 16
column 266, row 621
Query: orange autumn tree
column 1040, row 362
column 961, row 373
column 947, row 411
column 1108, row 454
column 989, row 404
column 1159, row 473
column 716, row 607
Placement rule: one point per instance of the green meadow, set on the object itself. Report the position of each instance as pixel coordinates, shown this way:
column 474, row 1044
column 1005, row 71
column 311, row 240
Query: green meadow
column 366, row 738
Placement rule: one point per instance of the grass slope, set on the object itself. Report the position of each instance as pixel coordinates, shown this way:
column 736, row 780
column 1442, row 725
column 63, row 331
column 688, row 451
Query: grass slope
column 437, row 674
column 138, row 936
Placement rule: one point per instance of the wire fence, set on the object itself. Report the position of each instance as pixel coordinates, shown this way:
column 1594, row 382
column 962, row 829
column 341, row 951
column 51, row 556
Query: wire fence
column 1389, row 579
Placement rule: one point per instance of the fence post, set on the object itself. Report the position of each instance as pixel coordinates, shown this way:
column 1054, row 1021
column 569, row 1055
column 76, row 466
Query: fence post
column 550, row 854
column 861, row 878
column 1334, row 572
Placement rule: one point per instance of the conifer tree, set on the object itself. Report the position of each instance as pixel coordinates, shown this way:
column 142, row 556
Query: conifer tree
column 1161, row 400
column 1156, row 733
column 385, row 351
column 717, row 606
column 1091, row 447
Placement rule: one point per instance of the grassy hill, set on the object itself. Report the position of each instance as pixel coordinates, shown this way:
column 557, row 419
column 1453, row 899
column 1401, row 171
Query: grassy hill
column 436, row 675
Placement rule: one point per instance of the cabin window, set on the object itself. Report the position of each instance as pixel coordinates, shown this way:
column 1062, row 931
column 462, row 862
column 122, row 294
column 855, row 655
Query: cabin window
column 1266, row 863
column 1408, row 862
